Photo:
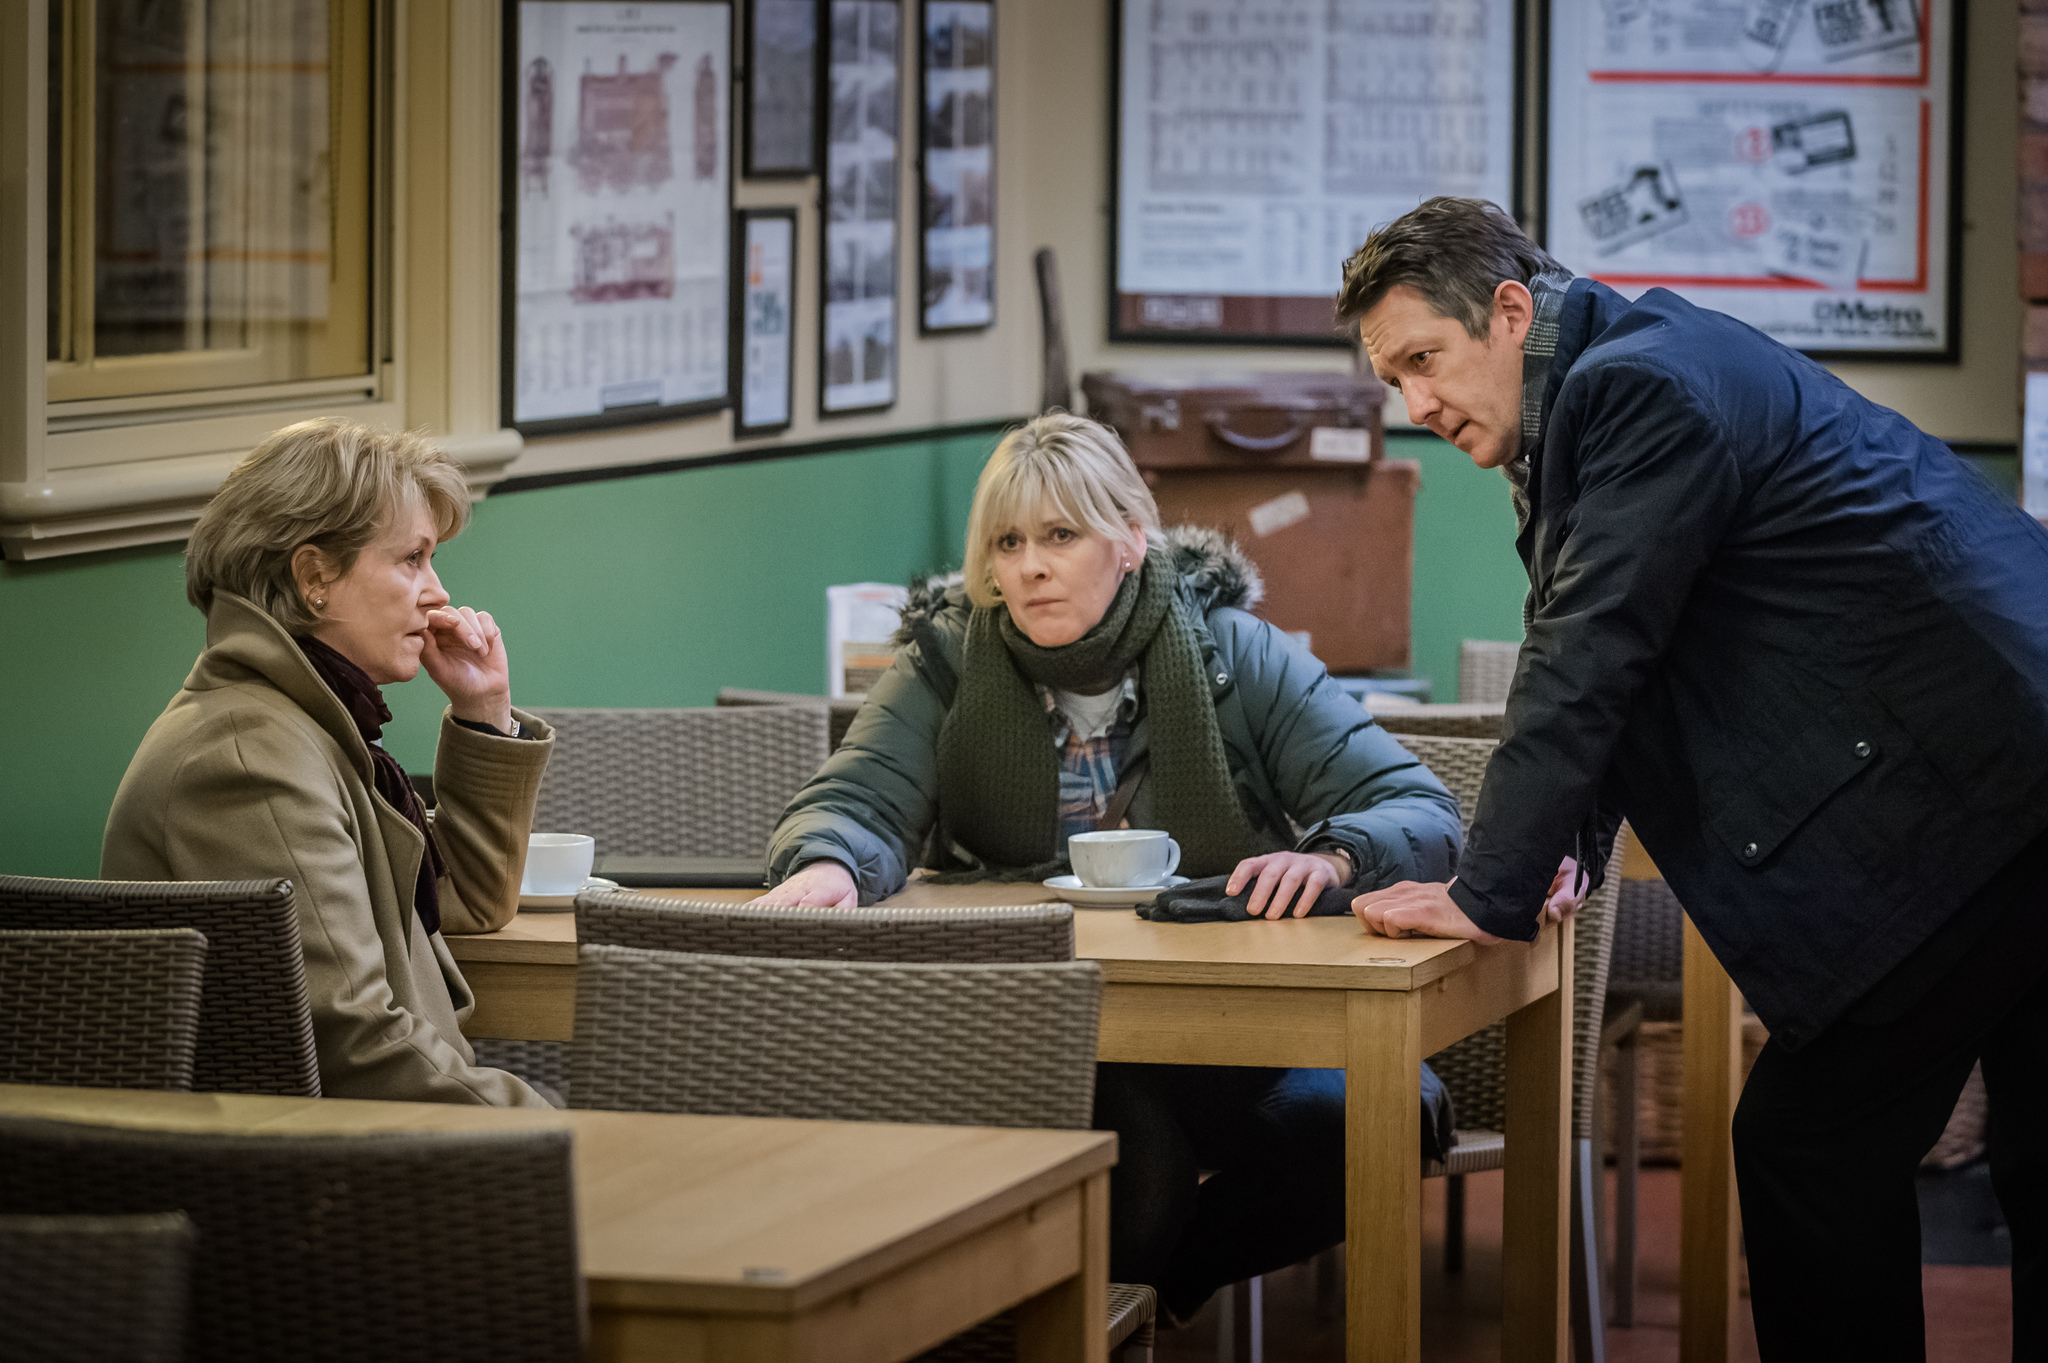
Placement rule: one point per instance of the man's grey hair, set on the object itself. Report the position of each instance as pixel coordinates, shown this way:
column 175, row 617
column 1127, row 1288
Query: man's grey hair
column 1454, row 252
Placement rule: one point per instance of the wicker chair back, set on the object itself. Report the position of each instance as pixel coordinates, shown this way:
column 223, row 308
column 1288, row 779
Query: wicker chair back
column 678, row 783
column 975, row 1045
column 1486, row 670
column 100, row 1009
column 255, row 1026
column 94, row 1287
column 1013, row 935
column 1649, row 950
column 337, row 1247
column 1445, row 721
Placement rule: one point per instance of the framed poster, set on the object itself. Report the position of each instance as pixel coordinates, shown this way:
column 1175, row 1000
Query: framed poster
column 764, row 311
column 1258, row 143
column 616, row 295
column 782, row 90
column 956, row 159
column 863, row 170
column 1789, row 162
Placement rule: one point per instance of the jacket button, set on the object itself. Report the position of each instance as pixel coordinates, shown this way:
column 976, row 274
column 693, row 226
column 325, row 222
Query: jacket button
column 1863, row 750
column 1749, row 851
column 1221, row 678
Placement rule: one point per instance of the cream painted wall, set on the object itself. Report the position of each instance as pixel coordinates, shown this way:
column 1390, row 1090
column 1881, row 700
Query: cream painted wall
column 1066, row 108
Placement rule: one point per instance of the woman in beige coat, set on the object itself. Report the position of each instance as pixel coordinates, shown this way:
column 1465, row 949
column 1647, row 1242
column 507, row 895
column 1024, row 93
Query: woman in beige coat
column 314, row 568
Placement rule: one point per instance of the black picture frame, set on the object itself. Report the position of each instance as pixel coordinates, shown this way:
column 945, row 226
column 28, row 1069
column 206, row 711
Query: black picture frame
column 521, row 163
column 741, row 316
column 934, row 199
column 855, row 183
column 1226, row 332
column 754, row 165
column 1957, row 13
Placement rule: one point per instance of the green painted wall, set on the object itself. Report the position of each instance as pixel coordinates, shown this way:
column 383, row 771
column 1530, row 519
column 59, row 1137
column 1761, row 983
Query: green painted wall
column 642, row 591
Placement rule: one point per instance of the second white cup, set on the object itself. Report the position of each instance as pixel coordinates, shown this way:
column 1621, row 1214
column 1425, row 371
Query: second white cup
column 1123, row 858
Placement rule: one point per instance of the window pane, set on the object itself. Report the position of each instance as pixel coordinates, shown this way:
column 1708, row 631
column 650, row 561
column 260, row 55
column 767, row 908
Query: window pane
column 211, row 180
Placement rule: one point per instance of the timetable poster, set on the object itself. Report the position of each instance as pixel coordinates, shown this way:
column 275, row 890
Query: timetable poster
column 619, row 130
column 1260, row 141
column 863, row 168
column 1787, row 162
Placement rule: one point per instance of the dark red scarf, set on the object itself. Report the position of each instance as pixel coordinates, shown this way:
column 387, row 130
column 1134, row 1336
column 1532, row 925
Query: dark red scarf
column 365, row 705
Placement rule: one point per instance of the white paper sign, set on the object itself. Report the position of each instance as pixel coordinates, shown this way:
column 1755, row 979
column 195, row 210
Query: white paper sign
column 1289, row 508
column 2034, row 447
column 1340, row 444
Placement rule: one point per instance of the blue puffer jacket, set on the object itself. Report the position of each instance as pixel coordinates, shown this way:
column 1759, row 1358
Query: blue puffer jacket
column 1311, row 767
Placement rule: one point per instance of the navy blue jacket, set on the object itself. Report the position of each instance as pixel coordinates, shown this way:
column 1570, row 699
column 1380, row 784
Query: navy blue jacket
column 1796, row 641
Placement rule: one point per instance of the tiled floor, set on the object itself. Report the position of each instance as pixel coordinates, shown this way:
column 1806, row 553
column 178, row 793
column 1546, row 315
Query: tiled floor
column 1967, row 1307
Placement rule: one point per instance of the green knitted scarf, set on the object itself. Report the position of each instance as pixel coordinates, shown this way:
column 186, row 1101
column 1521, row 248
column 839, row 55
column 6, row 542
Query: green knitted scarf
column 999, row 773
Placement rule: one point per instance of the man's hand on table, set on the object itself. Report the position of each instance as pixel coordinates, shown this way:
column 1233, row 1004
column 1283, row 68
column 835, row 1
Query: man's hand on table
column 1417, row 909
column 820, row 885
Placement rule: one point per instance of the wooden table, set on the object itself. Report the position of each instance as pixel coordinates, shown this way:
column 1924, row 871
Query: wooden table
column 1309, row 992
column 888, row 1238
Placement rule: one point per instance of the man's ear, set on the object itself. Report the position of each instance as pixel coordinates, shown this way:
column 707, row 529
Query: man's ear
column 1515, row 308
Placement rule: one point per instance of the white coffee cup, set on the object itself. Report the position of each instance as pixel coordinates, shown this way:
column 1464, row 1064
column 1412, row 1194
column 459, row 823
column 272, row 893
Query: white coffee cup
column 557, row 863
column 1123, row 858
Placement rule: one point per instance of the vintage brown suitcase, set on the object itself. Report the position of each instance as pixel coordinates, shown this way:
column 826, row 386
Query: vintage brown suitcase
column 1289, row 466
column 1240, row 420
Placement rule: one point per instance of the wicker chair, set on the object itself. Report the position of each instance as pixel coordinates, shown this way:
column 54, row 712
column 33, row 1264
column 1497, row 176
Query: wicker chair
column 1475, row 1069
column 94, row 1289
column 1486, row 670
column 678, row 783
column 839, row 710
column 100, row 1009
column 981, row 1045
column 1444, row 721
column 337, row 1247
column 255, row 1026
column 1013, row 935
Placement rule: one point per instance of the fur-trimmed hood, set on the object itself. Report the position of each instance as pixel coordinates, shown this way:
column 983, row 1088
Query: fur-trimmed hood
column 1214, row 574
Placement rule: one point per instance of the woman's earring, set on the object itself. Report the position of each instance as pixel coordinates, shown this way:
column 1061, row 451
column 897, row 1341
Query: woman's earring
column 319, row 603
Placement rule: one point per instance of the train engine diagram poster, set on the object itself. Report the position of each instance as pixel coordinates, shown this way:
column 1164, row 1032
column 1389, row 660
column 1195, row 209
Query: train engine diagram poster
column 618, row 137
column 1788, row 162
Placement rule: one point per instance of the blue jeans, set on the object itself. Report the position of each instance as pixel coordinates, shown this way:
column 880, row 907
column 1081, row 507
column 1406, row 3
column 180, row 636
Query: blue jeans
column 1276, row 1141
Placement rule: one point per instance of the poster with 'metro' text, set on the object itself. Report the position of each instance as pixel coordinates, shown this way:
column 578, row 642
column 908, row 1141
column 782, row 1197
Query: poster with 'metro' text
column 1788, row 162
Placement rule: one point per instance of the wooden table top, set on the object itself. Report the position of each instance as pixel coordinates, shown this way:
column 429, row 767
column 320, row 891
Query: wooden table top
column 1304, row 953
column 751, row 1214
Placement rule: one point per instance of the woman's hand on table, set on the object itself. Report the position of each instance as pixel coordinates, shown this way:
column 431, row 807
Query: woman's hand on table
column 1279, row 879
column 1417, row 909
column 820, row 885
column 465, row 655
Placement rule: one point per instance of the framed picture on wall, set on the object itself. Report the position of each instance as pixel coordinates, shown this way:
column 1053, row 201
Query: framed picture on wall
column 957, row 112
column 764, row 311
column 1256, row 147
column 1799, row 172
column 863, row 172
column 782, row 90
column 616, row 261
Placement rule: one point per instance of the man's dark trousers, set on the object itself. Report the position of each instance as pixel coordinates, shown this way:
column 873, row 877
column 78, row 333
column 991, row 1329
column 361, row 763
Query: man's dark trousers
column 1828, row 1136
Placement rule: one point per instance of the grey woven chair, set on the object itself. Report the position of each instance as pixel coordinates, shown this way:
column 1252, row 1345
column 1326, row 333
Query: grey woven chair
column 839, row 710
column 1645, row 983
column 981, row 1045
column 1444, row 721
column 1486, row 670
column 255, row 1027
column 678, row 783
column 1014, row 934
column 94, row 1289
column 337, row 1247
column 100, row 1009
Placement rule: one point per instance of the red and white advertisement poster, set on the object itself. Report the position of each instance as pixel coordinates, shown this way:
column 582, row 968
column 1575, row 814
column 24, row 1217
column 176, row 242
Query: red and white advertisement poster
column 1788, row 162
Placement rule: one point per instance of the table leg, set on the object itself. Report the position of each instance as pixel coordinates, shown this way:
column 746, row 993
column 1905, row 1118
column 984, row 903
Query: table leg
column 1709, row 1222
column 1070, row 1320
column 1535, row 1229
column 1383, row 1177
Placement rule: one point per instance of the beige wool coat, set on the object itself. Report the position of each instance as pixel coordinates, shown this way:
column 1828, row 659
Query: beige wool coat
column 255, row 770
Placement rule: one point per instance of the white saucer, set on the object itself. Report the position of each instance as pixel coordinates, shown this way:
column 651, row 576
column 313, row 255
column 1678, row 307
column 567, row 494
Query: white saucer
column 557, row 903
column 1082, row 896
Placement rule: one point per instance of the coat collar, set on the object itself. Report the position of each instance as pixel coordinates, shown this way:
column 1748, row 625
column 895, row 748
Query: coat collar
column 1589, row 308
column 241, row 639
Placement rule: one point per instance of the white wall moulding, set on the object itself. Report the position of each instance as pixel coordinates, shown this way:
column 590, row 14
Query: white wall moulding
column 156, row 503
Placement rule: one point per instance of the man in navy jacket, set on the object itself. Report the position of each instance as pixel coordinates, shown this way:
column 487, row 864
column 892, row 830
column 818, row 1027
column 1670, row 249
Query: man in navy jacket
column 1804, row 650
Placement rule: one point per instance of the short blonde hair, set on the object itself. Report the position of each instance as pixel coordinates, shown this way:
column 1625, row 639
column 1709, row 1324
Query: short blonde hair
column 334, row 484
column 1059, row 463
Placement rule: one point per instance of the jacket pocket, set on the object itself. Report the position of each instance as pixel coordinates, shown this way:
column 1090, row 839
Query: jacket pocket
column 1769, row 780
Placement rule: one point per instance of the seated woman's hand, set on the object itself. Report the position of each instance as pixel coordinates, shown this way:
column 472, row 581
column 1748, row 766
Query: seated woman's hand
column 1279, row 879
column 465, row 655
column 822, row 884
